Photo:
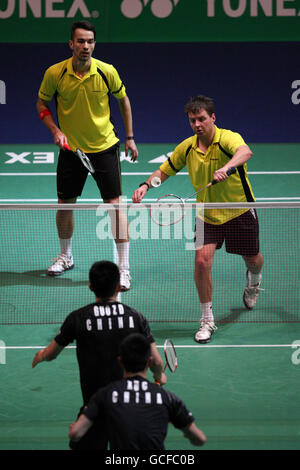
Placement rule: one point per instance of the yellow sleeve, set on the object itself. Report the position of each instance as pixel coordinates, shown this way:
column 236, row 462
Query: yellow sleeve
column 48, row 85
column 231, row 141
column 177, row 160
column 116, row 85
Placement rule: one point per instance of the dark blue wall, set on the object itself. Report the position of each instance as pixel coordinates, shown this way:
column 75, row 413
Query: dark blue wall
column 250, row 82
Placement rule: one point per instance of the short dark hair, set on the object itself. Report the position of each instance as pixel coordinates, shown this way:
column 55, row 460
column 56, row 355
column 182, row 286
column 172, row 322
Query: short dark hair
column 104, row 277
column 135, row 352
column 83, row 25
column 196, row 103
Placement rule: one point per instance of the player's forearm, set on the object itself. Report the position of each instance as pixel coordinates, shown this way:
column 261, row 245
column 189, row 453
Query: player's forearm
column 52, row 351
column 125, row 109
column 156, row 366
column 47, row 354
column 158, row 173
column 157, row 371
column 241, row 156
column 78, row 429
column 48, row 120
column 194, row 435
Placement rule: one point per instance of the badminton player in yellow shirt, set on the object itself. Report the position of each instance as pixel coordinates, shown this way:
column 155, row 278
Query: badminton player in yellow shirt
column 209, row 154
column 82, row 87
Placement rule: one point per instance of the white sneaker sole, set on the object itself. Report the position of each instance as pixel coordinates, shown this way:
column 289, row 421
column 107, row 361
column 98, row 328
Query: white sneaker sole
column 248, row 307
column 57, row 273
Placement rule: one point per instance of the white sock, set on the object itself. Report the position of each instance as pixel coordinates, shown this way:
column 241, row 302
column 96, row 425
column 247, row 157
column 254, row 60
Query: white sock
column 66, row 246
column 254, row 278
column 123, row 254
column 207, row 313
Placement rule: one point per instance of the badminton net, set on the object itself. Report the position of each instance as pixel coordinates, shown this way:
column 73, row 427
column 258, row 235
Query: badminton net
column 161, row 265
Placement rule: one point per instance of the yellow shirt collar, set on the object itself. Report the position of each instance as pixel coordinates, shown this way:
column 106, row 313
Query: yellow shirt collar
column 217, row 136
column 92, row 71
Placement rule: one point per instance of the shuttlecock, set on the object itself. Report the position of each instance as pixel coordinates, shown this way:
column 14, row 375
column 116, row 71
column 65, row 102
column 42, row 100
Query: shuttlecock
column 156, row 181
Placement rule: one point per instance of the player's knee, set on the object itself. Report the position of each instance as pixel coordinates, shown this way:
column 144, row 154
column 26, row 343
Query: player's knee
column 254, row 261
column 202, row 263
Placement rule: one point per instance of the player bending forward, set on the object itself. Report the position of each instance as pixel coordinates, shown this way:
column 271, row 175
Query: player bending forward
column 208, row 155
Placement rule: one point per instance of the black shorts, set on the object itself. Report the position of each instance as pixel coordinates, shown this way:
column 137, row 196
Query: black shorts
column 241, row 234
column 71, row 174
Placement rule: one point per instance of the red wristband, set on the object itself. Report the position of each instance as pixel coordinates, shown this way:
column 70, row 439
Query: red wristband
column 44, row 113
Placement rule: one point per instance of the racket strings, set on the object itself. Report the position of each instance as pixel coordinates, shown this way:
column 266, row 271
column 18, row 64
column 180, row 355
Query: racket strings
column 168, row 210
column 85, row 161
column 171, row 356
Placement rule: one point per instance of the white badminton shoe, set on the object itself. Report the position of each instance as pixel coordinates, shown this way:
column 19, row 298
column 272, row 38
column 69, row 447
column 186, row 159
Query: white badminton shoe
column 61, row 264
column 205, row 332
column 125, row 279
column 251, row 292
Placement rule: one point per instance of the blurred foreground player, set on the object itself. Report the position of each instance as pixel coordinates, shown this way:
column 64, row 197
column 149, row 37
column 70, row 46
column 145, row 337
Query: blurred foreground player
column 98, row 330
column 135, row 411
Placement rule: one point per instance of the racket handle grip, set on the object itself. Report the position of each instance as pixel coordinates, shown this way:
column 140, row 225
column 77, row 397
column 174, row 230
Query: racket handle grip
column 66, row 147
column 229, row 172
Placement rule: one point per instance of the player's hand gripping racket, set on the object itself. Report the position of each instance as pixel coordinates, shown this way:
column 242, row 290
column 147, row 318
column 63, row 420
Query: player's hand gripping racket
column 169, row 209
column 83, row 157
column 170, row 355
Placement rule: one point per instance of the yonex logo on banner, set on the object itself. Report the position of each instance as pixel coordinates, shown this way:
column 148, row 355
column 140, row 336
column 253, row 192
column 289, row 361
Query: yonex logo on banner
column 45, row 9
column 2, row 92
column 164, row 8
column 268, row 7
column 159, row 8
column 36, row 157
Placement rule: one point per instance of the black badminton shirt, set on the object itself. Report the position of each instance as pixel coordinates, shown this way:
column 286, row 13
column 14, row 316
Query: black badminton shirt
column 136, row 413
column 98, row 330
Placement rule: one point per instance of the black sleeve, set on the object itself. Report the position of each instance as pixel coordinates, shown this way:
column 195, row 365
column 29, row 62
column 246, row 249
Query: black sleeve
column 93, row 409
column 145, row 328
column 179, row 415
column 67, row 332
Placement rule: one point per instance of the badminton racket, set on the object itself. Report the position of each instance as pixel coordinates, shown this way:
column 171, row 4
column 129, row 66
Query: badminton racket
column 169, row 209
column 170, row 355
column 83, row 157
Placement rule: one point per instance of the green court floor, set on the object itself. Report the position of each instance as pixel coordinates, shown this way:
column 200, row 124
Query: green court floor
column 242, row 387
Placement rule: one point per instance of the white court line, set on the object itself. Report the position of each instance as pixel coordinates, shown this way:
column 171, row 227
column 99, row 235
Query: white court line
column 180, row 346
column 237, row 346
column 144, row 200
column 273, row 172
column 27, row 174
column 276, row 198
column 145, row 173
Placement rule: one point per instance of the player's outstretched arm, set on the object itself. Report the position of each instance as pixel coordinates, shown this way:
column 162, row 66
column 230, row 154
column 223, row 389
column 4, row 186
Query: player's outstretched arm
column 47, row 354
column 140, row 192
column 125, row 109
column 157, row 365
column 78, row 430
column 194, row 435
column 241, row 156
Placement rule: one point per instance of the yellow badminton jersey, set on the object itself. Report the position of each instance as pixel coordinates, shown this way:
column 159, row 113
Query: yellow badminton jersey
column 83, row 109
column 201, row 167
